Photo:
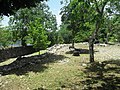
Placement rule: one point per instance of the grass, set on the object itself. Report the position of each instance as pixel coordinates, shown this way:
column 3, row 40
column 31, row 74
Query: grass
column 57, row 75
column 64, row 72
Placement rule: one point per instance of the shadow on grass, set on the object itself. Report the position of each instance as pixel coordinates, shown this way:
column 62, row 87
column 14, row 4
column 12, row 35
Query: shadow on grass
column 40, row 89
column 26, row 64
column 82, row 51
column 103, row 76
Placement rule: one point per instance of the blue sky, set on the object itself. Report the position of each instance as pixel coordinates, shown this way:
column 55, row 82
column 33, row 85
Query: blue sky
column 5, row 21
column 54, row 7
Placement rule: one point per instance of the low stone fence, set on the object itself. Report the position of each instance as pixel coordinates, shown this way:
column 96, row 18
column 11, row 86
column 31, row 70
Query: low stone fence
column 15, row 52
column 56, row 47
column 22, row 62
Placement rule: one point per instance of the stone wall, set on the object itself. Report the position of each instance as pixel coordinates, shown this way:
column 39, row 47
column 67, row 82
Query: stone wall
column 15, row 52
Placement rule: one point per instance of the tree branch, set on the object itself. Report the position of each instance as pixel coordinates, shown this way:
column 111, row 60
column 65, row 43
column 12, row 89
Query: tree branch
column 96, row 4
column 104, row 4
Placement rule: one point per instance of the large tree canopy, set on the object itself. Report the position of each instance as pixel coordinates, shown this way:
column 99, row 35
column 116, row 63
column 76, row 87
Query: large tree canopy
column 9, row 6
column 26, row 22
column 89, row 15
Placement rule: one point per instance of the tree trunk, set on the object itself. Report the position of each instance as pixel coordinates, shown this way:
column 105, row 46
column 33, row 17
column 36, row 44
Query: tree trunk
column 92, row 40
column 91, row 49
column 73, row 36
column 107, row 36
column 23, row 42
column 73, row 43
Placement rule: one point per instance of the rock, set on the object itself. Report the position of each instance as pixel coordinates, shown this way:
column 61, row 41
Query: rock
column 107, row 66
column 85, row 43
column 118, row 44
column 71, row 48
column 76, row 53
column 77, row 50
column 84, row 65
column 103, row 45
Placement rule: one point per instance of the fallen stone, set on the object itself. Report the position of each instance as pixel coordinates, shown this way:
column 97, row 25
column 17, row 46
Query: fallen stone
column 76, row 53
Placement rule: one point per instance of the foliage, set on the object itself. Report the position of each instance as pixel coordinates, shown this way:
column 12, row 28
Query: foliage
column 60, row 39
column 64, row 35
column 5, row 37
column 91, row 13
column 37, row 35
column 9, row 7
column 82, row 36
column 116, row 28
column 89, row 16
column 19, row 23
column 53, row 37
column 110, row 30
column 75, row 15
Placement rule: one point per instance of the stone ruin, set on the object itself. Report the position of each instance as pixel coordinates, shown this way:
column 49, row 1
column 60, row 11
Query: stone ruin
column 54, row 49
column 15, row 52
column 76, row 53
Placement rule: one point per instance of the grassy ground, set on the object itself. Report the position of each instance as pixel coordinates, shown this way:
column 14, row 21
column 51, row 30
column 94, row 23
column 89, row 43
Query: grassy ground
column 62, row 71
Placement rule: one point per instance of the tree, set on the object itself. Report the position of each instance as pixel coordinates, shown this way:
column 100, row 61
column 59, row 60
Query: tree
column 115, row 28
column 18, row 25
column 74, row 15
column 64, row 34
column 37, row 35
column 20, row 21
column 53, row 37
column 99, row 9
column 51, row 26
column 8, row 7
column 107, row 33
column 5, row 37
column 91, row 15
